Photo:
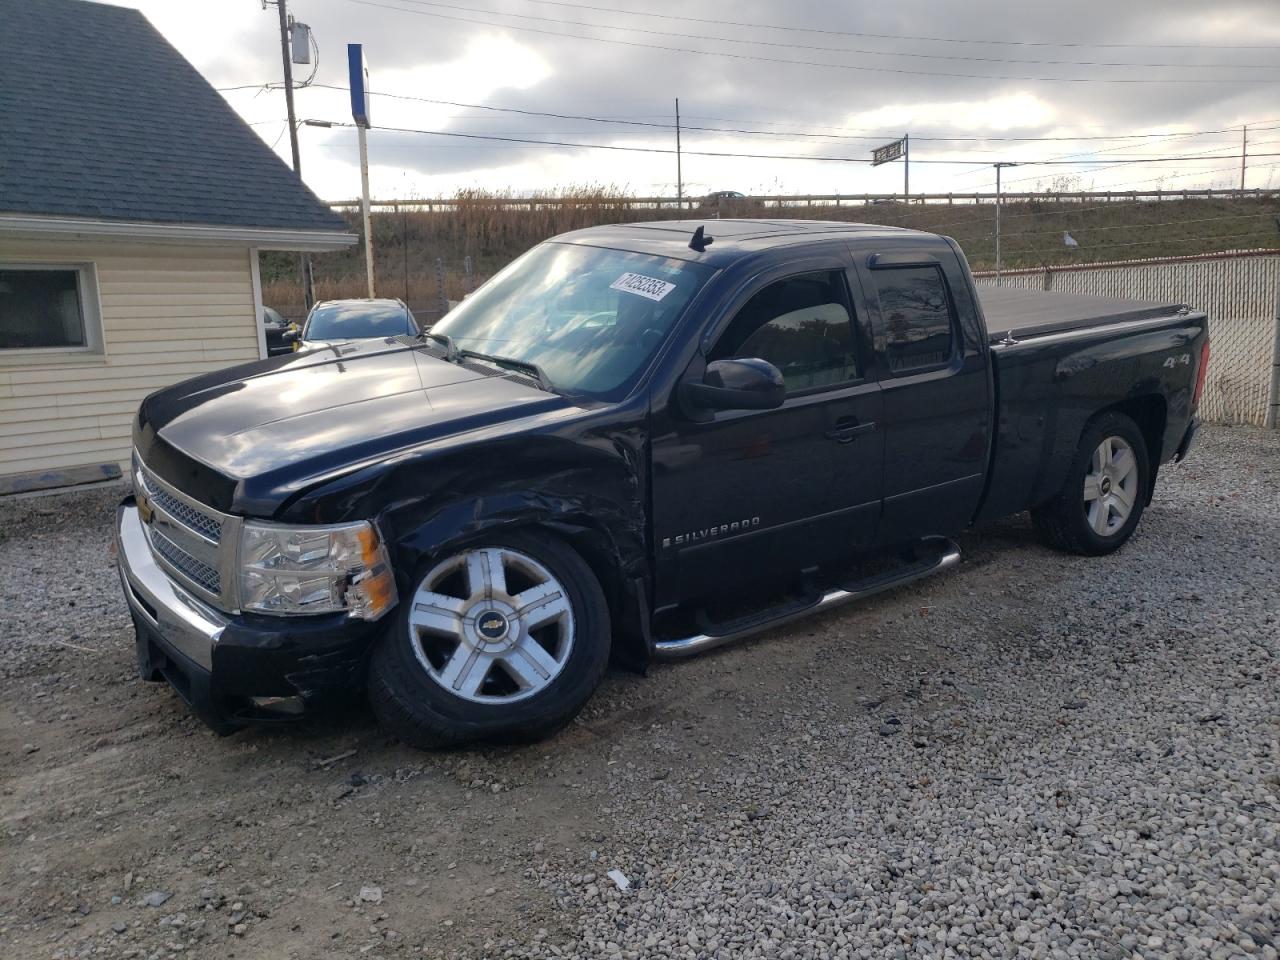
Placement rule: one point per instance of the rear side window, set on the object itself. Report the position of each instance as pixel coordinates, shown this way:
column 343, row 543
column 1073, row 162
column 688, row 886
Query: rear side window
column 916, row 329
column 802, row 326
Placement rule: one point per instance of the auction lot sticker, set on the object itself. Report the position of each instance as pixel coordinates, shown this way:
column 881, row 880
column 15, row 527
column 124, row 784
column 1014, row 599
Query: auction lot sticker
column 639, row 284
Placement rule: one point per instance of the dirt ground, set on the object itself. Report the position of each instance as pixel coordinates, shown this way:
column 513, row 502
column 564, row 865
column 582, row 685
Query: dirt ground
column 327, row 839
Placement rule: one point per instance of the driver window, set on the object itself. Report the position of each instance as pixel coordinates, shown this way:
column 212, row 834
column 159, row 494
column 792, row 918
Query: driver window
column 802, row 326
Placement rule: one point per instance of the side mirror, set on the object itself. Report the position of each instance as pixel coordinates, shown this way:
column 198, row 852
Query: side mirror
column 740, row 384
column 289, row 337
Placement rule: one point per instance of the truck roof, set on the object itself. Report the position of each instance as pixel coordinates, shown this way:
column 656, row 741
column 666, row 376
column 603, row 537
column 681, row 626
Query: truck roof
column 732, row 238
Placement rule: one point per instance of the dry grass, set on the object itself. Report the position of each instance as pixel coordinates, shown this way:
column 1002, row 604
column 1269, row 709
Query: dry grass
column 407, row 244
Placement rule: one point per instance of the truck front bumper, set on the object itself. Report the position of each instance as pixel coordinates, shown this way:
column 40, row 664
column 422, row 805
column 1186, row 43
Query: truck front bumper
column 234, row 670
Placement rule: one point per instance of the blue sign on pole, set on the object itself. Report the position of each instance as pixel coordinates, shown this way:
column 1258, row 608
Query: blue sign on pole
column 358, row 82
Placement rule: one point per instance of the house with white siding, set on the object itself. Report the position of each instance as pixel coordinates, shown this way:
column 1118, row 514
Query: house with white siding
column 133, row 205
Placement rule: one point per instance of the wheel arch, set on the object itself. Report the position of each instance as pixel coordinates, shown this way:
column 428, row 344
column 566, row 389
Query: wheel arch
column 626, row 594
column 618, row 563
column 1150, row 411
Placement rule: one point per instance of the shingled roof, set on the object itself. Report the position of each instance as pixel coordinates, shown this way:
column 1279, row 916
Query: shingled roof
column 101, row 118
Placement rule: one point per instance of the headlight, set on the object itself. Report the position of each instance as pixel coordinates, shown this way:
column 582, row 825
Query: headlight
column 312, row 569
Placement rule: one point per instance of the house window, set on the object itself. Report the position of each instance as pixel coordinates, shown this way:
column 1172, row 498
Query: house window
column 48, row 307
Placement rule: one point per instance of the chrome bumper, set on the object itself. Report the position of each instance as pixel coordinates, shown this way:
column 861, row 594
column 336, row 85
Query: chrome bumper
column 190, row 626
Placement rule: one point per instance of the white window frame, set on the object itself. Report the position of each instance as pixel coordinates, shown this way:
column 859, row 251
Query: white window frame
column 90, row 314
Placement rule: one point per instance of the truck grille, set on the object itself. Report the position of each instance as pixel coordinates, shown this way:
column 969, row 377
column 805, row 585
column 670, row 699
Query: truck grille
column 193, row 543
column 192, row 568
column 202, row 523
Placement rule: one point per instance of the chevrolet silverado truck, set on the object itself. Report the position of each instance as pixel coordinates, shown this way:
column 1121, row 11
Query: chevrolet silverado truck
column 635, row 442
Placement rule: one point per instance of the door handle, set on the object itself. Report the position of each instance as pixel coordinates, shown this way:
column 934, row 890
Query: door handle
column 848, row 429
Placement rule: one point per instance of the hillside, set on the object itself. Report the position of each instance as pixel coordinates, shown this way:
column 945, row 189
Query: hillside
column 406, row 244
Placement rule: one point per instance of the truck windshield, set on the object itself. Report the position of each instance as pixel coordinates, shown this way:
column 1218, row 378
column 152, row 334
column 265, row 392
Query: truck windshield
column 590, row 318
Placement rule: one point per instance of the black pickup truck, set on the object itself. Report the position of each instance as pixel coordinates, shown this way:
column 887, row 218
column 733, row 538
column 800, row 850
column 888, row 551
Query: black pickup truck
column 635, row 442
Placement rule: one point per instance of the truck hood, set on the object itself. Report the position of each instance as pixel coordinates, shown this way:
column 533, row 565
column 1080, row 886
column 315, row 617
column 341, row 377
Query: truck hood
column 246, row 439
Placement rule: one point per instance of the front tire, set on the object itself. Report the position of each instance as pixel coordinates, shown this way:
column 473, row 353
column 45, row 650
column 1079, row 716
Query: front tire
column 501, row 640
column 1105, row 492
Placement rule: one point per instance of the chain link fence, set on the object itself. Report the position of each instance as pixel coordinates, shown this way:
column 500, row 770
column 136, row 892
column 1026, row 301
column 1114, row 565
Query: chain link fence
column 1239, row 291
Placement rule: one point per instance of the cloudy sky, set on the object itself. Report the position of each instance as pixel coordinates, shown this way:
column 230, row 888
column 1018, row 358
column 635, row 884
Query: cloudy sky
column 977, row 82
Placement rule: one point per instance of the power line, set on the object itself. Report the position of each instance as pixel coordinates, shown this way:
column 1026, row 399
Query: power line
column 1196, row 173
column 1171, row 138
column 898, row 36
column 798, row 134
column 648, row 124
column 1111, row 164
column 790, row 62
column 439, row 4
column 615, row 147
column 1177, row 135
column 997, row 139
column 775, row 156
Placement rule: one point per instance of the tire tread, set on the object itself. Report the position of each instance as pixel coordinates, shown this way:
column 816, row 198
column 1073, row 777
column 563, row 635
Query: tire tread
column 401, row 699
column 1060, row 521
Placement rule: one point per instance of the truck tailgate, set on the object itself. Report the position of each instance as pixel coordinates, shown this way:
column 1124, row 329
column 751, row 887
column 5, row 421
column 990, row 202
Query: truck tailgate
column 1030, row 313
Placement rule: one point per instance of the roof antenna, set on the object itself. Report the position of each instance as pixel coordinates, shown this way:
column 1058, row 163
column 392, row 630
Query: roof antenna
column 700, row 241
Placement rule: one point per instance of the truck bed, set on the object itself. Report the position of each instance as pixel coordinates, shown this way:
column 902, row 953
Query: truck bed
column 1033, row 313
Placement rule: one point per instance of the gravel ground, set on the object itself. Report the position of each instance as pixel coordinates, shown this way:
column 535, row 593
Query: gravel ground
column 1034, row 756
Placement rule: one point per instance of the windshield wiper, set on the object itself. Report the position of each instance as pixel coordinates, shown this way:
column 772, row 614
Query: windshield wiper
column 522, row 365
column 451, row 351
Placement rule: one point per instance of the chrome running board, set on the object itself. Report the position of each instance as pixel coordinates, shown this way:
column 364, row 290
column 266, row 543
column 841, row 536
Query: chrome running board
column 948, row 555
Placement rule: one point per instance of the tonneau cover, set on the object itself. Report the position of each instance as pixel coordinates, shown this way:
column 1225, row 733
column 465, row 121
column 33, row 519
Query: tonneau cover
column 1030, row 313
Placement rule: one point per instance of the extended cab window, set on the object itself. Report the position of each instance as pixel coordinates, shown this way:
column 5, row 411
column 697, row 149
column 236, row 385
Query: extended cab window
column 916, row 329
column 802, row 326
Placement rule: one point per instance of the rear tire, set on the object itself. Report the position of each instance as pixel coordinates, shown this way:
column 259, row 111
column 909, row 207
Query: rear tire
column 504, row 640
column 1105, row 491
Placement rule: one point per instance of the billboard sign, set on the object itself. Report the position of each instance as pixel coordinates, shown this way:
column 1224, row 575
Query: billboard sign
column 890, row 151
column 358, row 83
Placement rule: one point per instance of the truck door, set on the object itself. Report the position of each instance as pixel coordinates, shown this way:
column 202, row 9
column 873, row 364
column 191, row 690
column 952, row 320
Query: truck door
column 937, row 407
column 748, row 495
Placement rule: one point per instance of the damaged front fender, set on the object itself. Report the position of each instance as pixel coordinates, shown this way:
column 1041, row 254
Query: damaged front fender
column 583, row 481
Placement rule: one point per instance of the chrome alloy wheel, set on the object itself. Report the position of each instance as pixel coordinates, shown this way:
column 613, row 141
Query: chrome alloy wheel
column 491, row 625
column 1110, row 486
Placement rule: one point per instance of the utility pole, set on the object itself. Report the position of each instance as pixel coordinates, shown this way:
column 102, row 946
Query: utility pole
column 287, row 60
column 679, row 172
column 358, row 86
column 404, row 239
column 308, row 281
column 364, row 204
column 906, row 168
column 1244, row 151
column 999, row 265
